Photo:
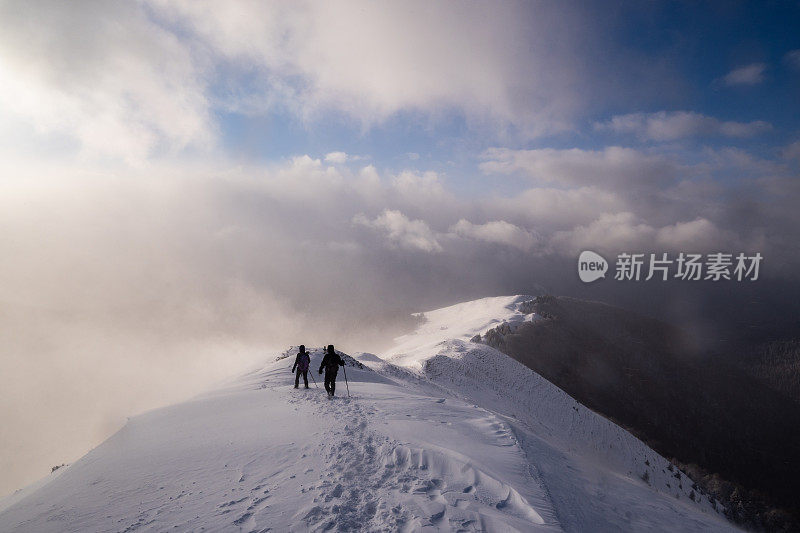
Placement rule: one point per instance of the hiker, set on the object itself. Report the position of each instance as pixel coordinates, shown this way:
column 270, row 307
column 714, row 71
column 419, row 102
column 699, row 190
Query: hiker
column 301, row 363
column 331, row 363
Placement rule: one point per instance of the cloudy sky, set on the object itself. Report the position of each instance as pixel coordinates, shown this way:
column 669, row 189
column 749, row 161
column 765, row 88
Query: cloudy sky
column 187, row 184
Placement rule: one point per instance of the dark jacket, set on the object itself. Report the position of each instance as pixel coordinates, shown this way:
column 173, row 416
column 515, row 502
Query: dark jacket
column 331, row 362
column 303, row 360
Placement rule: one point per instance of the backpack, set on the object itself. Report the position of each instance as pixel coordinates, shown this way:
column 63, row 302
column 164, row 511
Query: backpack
column 305, row 361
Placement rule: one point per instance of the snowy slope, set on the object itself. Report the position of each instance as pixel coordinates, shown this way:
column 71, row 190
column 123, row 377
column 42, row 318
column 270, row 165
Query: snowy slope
column 578, row 453
column 461, row 322
column 440, row 435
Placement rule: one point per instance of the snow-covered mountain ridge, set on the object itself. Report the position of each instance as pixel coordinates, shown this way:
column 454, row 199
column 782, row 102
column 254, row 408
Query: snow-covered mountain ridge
column 440, row 434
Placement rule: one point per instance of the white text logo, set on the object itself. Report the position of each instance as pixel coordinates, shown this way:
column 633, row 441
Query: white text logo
column 591, row 266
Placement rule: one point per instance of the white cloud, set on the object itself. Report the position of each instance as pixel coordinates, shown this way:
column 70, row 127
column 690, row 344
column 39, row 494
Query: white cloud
column 402, row 231
column 751, row 74
column 371, row 61
column 414, row 183
column 554, row 208
column 738, row 162
column 134, row 80
column 696, row 235
column 119, row 90
column 744, row 129
column 609, row 232
column 792, row 151
column 792, row 58
column 336, row 157
column 495, row 231
column 626, row 232
column 611, row 168
column 669, row 126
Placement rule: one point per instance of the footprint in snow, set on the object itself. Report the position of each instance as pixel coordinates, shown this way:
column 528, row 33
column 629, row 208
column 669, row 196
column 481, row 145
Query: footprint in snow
column 242, row 519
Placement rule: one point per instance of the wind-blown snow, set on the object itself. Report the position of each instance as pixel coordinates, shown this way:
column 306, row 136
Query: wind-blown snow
column 461, row 321
column 441, row 434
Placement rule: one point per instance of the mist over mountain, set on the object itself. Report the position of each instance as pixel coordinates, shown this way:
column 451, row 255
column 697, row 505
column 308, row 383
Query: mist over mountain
column 696, row 406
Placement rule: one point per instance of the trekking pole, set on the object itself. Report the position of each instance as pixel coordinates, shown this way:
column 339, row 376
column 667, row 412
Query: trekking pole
column 344, row 367
column 312, row 377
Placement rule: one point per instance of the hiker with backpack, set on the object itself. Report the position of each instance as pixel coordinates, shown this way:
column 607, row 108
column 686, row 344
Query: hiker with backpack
column 301, row 363
column 331, row 363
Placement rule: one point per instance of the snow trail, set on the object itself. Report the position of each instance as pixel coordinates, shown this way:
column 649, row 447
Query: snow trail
column 377, row 482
